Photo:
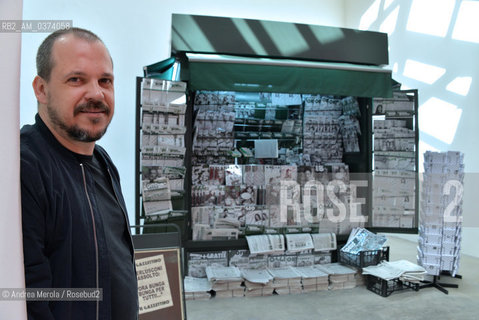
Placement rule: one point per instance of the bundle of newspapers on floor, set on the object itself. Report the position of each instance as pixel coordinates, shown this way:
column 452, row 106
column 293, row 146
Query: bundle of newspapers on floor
column 313, row 279
column 232, row 281
column 197, row 288
column 286, row 280
column 401, row 269
column 340, row 276
column 257, row 282
column 225, row 281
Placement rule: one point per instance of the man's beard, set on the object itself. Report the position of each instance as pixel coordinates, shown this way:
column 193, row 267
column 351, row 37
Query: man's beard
column 74, row 131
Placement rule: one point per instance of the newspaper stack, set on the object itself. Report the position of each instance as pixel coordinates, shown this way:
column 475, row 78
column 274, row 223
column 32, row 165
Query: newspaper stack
column 340, row 276
column 266, row 244
column 225, row 281
column 197, row 288
column 298, row 242
column 441, row 212
column 286, row 280
column 258, row 282
column 313, row 279
column 401, row 269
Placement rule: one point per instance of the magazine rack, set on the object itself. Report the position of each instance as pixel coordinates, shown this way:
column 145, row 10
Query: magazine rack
column 440, row 285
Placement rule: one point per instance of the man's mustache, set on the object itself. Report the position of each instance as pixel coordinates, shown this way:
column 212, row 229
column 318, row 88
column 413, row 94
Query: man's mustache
column 92, row 106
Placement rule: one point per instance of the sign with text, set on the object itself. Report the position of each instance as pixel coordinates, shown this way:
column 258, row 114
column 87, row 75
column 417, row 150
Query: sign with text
column 159, row 284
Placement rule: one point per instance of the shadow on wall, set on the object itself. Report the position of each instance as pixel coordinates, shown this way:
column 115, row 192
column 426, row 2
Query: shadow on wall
column 433, row 47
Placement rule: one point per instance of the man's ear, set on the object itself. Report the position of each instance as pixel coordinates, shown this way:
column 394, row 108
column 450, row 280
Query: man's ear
column 40, row 89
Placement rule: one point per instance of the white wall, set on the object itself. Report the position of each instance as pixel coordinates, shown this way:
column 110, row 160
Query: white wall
column 138, row 34
column 11, row 248
column 435, row 42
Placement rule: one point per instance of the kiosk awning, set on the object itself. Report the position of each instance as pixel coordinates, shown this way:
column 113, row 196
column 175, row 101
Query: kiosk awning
column 235, row 73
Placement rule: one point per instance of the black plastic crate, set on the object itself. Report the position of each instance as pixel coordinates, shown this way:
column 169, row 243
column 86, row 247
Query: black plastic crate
column 364, row 258
column 385, row 288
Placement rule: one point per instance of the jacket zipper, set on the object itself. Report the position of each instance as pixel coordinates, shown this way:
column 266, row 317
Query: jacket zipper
column 94, row 239
column 124, row 213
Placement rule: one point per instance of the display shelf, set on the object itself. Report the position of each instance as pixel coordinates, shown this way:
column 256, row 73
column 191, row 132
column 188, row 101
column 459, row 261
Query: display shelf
column 212, row 245
column 241, row 243
column 160, row 151
column 161, row 218
column 395, row 135
column 441, row 286
column 157, row 89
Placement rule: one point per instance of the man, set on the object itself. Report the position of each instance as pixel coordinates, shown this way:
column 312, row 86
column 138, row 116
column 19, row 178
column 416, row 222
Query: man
column 75, row 226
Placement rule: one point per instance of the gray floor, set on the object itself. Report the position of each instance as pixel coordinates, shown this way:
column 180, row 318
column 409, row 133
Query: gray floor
column 357, row 303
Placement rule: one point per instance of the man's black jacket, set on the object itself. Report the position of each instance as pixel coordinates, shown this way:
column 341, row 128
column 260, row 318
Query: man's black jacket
column 63, row 232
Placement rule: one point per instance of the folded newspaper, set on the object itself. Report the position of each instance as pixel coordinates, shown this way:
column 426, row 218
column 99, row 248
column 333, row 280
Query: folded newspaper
column 298, row 242
column 285, row 277
column 361, row 239
column 284, row 273
column 193, row 284
column 197, row 288
column 260, row 276
column 310, row 272
column 324, row 241
column 401, row 269
column 266, row 244
column 336, row 269
column 222, row 274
